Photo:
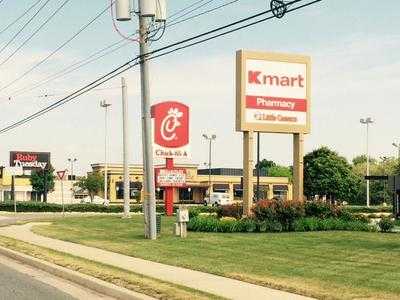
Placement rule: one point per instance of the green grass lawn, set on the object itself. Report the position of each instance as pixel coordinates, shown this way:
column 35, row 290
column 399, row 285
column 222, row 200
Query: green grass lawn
column 329, row 265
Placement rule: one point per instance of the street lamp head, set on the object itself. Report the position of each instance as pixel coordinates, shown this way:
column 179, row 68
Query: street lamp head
column 369, row 120
column 104, row 104
column 396, row 145
column 205, row 136
column 214, row 137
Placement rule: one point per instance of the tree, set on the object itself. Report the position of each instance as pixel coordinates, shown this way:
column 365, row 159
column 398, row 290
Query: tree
column 266, row 164
column 40, row 178
column 280, row 171
column 327, row 173
column 379, row 191
column 92, row 183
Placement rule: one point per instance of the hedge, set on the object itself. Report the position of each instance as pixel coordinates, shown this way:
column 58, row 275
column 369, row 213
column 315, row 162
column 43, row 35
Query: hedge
column 231, row 225
column 371, row 209
column 80, row 207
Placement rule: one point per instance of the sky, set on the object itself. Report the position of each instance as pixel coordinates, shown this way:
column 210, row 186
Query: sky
column 354, row 47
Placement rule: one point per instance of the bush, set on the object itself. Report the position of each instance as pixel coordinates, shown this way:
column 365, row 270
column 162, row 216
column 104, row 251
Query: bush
column 284, row 212
column 29, row 206
column 386, row 224
column 317, row 224
column 232, row 210
column 325, row 210
column 371, row 209
column 194, row 211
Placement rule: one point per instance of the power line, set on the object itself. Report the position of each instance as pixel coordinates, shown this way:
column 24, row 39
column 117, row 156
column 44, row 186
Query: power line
column 35, row 32
column 24, row 26
column 128, row 65
column 202, row 13
column 186, row 8
column 194, row 9
column 88, row 60
column 57, row 49
column 20, row 17
column 71, row 68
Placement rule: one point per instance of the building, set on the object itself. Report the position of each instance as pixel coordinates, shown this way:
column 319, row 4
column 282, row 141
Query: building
column 24, row 192
column 197, row 184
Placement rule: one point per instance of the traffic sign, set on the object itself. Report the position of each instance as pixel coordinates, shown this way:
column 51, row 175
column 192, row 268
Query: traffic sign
column 61, row 174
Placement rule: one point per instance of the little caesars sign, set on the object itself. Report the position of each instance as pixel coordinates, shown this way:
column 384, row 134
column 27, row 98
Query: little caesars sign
column 272, row 95
column 30, row 160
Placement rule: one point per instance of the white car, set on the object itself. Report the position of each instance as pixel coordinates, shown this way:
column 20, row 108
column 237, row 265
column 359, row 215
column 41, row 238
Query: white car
column 96, row 200
column 217, row 199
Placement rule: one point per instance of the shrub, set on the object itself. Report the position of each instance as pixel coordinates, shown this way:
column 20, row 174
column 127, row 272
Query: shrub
column 386, row 224
column 284, row 212
column 317, row 224
column 371, row 209
column 232, row 210
column 194, row 211
column 323, row 210
column 248, row 225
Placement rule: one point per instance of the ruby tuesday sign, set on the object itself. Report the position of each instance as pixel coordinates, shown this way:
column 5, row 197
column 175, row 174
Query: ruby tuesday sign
column 273, row 92
column 30, row 160
column 171, row 130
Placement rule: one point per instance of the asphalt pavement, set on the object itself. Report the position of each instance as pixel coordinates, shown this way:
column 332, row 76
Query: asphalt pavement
column 21, row 282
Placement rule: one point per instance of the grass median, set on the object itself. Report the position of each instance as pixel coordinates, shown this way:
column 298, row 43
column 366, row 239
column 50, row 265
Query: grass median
column 328, row 265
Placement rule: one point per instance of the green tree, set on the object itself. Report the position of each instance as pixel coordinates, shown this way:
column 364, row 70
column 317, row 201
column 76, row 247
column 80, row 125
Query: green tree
column 280, row 171
column 379, row 191
column 327, row 173
column 93, row 183
column 266, row 164
column 41, row 178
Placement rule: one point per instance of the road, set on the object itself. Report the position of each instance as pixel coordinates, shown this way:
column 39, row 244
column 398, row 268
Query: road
column 22, row 282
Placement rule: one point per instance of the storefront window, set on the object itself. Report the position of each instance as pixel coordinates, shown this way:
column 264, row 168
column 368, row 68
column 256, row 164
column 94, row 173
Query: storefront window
column 186, row 194
column 280, row 191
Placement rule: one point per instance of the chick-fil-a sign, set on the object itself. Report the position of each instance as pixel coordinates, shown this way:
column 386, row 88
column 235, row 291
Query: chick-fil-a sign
column 171, row 129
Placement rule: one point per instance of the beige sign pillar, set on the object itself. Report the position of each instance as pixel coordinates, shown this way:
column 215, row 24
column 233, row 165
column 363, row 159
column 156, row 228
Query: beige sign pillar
column 247, row 172
column 298, row 165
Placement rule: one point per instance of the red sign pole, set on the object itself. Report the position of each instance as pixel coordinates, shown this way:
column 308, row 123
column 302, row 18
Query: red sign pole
column 169, row 191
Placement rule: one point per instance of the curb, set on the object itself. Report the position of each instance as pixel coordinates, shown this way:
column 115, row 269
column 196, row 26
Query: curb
column 84, row 280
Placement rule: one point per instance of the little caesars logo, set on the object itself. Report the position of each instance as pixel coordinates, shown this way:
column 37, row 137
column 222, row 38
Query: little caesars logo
column 170, row 123
column 30, row 161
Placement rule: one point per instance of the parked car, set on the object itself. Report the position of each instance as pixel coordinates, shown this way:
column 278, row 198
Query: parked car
column 96, row 200
column 217, row 199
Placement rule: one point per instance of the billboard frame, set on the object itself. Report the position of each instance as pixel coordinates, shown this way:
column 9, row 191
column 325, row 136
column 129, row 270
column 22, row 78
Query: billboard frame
column 241, row 124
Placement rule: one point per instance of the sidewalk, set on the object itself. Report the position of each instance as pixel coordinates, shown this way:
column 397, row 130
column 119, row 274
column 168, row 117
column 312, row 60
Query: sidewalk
column 217, row 285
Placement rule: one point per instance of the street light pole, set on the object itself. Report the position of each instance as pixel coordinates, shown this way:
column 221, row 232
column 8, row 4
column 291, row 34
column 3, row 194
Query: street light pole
column 367, row 122
column 105, row 105
column 125, row 139
column 209, row 139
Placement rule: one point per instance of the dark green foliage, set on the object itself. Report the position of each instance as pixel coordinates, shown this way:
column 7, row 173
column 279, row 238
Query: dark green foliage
column 371, row 209
column 86, row 207
column 39, row 178
column 213, row 224
column 386, row 224
column 317, row 224
column 194, row 211
column 327, row 173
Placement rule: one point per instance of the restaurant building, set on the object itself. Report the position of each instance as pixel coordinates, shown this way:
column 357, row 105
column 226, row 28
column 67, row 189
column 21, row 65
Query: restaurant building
column 198, row 182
